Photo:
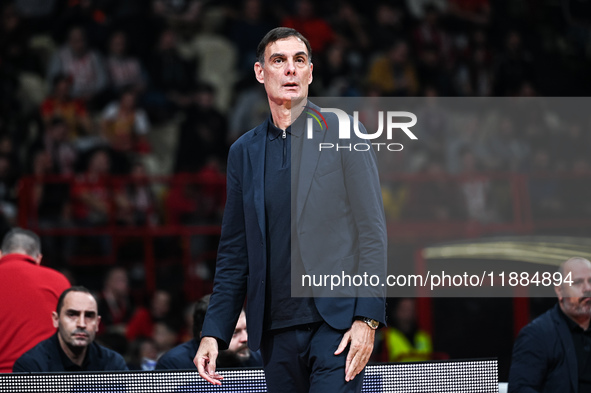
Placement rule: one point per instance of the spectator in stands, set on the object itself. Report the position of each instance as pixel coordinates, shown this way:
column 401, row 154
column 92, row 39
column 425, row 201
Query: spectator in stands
column 29, row 293
column 143, row 320
column 337, row 75
column 83, row 65
column 72, row 111
column 166, row 335
column 72, row 347
column 8, row 190
column 14, row 40
column 310, row 25
column 201, row 202
column 435, row 198
column 90, row 16
column 51, row 202
column 90, row 193
column 203, row 133
column 38, row 14
column 551, row 354
column 464, row 15
column 124, row 70
column 544, row 189
column 171, row 78
column 143, row 354
column 418, row 8
column 430, row 35
column 138, row 204
column 390, row 26
column 514, row 66
column 394, row 73
column 114, row 305
column 125, row 126
column 575, row 190
column 247, row 31
column 237, row 355
column 9, row 87
column 404, row 341
column 477, row 190
column 350, row 30
column 60, row 150
column 474, row 77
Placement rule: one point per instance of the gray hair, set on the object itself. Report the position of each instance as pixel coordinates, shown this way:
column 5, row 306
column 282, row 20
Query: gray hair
column 19, row 240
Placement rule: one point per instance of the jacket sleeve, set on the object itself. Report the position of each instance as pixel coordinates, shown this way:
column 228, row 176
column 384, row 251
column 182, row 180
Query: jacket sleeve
column 365, row 197
column 229, row 288
column 530, row 362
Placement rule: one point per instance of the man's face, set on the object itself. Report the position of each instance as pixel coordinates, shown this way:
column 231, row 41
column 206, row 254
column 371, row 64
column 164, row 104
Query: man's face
column 286, row 72
column 239, row 343
column 78, row 320
column 575, row 299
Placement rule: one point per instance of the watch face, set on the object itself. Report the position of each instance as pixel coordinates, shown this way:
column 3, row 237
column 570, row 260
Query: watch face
column 372, row 323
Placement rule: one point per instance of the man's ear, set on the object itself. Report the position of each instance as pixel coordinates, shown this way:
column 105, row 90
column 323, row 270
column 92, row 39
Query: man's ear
column 259, row 72
column 311, row 76
column 55, row 319
column 38, row 259
column 98, row 323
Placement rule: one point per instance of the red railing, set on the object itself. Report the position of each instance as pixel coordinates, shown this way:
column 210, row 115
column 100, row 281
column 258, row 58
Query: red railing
column 119, row 232
column 425, row 208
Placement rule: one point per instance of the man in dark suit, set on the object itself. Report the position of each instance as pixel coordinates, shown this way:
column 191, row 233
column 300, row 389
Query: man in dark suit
column 72, row 347
column 237, row 355
column 291, row 210
column 553, row 352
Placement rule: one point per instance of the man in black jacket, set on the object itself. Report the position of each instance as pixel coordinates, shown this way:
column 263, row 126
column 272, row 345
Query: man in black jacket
column 72, row 348
column 553, row 353
column 237, row 355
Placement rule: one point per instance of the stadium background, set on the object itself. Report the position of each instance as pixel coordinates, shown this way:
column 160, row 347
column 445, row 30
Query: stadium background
column 167, row 86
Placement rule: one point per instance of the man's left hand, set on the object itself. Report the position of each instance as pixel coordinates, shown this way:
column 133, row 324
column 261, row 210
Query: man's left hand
column 361, row 337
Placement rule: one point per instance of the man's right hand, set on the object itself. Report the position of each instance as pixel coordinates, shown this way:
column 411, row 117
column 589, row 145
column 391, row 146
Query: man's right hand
column 205, row 360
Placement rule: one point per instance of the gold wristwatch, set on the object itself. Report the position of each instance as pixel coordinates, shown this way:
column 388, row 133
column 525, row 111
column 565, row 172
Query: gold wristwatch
column 372, row 323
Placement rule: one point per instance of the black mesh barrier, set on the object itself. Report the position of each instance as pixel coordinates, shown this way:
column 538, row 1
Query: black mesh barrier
column 441, row 376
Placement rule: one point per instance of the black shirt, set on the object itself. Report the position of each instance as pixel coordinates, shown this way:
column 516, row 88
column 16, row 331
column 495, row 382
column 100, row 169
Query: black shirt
column 70, row 365
column 582, row 342
column 281, row 310
column 48, row 356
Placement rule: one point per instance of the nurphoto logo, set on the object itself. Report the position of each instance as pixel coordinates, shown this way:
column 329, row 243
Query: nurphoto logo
column 391, row 120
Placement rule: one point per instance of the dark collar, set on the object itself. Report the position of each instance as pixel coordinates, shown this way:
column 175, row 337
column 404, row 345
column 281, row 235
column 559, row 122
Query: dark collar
column 66, row 362
column 273, row 132
column 572, row 325
column 295, row 129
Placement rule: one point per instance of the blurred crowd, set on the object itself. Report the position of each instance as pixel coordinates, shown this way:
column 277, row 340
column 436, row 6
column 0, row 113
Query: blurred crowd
column 98, row 87
column 93, row 88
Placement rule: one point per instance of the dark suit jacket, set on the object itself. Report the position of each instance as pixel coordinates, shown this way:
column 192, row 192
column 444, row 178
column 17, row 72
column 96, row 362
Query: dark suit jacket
column 340, row 223
column 544, row 358
column 45, row 357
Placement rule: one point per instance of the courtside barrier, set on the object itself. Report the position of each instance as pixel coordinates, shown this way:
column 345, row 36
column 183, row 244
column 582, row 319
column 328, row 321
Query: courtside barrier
column 455, row 376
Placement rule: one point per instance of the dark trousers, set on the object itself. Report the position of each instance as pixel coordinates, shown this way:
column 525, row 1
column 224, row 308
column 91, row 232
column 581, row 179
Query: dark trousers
column 301, row 360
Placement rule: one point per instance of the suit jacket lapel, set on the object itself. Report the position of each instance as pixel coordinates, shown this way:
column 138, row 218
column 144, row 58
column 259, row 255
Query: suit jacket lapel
column 569, row 349
column 256, row 154
column 309, row 161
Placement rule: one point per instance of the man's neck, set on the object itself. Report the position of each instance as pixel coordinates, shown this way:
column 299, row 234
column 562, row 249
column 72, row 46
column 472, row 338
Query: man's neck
column 75, row 354
column 284, row 114
column 581, row 320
